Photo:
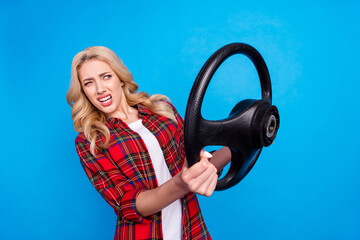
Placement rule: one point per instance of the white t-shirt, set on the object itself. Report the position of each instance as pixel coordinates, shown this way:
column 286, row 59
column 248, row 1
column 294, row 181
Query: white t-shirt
column 172, row 214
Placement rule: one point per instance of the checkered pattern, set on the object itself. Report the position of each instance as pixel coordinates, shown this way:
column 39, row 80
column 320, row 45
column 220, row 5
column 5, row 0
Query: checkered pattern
column 124, row 170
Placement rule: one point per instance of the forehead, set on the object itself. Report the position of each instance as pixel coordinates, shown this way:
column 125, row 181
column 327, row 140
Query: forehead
column 93, row 68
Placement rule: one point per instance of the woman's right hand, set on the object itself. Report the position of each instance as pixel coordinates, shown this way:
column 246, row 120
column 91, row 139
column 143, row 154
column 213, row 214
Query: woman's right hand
column 201, row 178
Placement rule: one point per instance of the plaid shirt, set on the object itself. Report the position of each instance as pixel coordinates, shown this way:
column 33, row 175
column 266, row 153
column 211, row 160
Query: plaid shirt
column 124, row 170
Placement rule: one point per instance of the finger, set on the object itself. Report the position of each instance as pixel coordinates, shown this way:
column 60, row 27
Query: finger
column 205, row 178
column 186, row 165
column 212, row 186
column 194, row 177
column 198, row 168
column 205, row 154
column 209, row 184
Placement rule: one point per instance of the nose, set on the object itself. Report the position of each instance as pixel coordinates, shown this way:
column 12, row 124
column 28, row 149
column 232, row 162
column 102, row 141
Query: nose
column 99, row 88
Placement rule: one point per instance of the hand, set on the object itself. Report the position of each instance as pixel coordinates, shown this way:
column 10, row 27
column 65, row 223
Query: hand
column 201, row 178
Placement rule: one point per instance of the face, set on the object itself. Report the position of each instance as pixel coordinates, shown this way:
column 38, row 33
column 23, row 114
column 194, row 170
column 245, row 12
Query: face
column 102, row 86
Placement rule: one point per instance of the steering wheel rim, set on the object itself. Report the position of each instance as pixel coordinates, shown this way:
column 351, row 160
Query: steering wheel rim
column 196, row 128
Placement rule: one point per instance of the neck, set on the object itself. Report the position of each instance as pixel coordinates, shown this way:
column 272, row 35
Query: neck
column 126, row 113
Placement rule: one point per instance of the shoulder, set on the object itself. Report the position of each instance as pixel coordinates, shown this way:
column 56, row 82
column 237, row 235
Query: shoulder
column 80, row 138
column 81, row 144
column 169, row 104
column 179, row 120
column 165, row 103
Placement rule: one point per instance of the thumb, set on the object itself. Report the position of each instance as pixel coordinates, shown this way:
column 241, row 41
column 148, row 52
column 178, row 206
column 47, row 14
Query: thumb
column 186, row 165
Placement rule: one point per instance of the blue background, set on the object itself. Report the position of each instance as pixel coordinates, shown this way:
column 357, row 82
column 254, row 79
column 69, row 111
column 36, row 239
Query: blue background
column 305, row 186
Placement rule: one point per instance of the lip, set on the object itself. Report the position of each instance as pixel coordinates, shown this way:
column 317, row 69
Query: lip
column 107, row 102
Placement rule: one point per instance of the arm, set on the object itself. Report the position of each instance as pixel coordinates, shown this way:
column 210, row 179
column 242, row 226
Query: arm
column 118, row 191
column 221, row 158
column 134, row 202
column 201, row 178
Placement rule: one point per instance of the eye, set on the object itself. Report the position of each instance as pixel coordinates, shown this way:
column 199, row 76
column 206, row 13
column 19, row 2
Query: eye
column 107, row 76
column 87, row 83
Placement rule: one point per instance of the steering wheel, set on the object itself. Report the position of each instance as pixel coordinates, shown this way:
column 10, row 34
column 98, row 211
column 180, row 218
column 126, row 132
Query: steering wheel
column 251, row 125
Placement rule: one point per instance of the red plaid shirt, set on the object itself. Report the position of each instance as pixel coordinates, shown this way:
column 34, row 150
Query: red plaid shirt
column 122, row 171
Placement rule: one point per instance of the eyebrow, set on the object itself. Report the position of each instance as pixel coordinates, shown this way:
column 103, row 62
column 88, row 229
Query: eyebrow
column 100, row 75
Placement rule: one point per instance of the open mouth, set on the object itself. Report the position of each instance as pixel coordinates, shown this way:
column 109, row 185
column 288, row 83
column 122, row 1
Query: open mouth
column 105, row 101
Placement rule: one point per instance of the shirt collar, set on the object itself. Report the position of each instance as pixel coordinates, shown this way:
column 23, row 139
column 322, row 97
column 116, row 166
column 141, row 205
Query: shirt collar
column 143, row 110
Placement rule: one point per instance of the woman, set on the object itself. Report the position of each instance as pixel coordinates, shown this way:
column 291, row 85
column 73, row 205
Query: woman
column 131, row 147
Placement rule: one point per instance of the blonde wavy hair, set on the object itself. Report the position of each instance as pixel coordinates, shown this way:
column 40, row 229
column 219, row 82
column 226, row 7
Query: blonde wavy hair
column 87, row 118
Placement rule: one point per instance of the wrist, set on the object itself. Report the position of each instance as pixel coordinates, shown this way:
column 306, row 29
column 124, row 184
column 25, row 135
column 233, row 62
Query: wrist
column 178, row 185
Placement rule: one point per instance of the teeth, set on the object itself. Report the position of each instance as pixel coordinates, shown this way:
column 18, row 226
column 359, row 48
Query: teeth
column 105, row 99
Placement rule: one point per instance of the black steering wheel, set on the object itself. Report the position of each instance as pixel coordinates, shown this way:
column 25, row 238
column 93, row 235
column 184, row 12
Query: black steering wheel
column 251, row 124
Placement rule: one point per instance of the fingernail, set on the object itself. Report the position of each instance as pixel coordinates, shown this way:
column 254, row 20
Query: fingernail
column 207, row 154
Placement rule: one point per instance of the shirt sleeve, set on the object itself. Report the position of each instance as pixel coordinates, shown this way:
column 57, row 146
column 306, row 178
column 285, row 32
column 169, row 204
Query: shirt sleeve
column 180, row 129
column 108, row 180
